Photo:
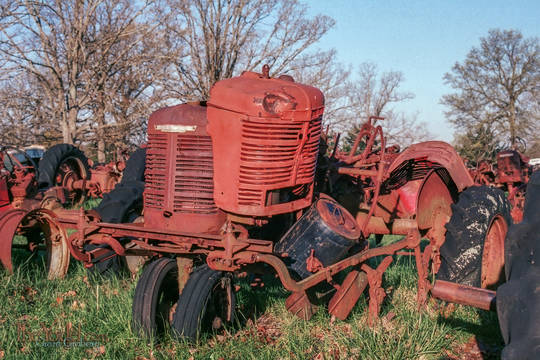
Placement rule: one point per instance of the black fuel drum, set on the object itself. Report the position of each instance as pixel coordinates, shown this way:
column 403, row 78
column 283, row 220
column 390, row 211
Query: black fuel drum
column 327, row 228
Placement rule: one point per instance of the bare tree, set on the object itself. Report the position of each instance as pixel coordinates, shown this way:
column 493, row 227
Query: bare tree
column 497, row 85
column 23, row 119
column 128, row 58
column 50, row 40
column 90, row 62
column 375, row 94
column 223, row 38
column 324, row 72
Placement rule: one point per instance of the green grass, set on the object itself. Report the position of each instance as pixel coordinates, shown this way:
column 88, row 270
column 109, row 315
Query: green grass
column 36, row 314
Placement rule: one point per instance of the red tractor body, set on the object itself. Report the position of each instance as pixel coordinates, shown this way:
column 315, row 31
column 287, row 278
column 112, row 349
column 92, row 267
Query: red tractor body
column 512, row 167
column 221, row 178
column 265, row 133
column 511, row 174
column 179, row 191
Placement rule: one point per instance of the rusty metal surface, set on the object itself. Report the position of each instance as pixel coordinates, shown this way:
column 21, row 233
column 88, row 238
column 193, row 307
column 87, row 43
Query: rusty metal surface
column 493, row 253
column 465, row 295
column 179, row 175
column 337, row 218
column 265, row 134
column 298, row 304
column 103, row 178
column 440, row 153
column 512, row 167
column 20, row 221
column 185, row 267
column 511, row 174
column 434, row 197
column 9, row 222
column 376, row 292
column 348, row 294
column 516, row 197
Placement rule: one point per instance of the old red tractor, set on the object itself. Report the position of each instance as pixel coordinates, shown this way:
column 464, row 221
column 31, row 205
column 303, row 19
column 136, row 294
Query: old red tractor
column 511, row 174
column 241, row 184
column 63, row 178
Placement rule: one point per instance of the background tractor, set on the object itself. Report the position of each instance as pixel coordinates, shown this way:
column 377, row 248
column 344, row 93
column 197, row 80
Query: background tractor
column 34, row 186
column 511, row 174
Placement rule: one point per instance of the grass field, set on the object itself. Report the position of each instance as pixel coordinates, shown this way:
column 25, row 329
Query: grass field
column 80, row 318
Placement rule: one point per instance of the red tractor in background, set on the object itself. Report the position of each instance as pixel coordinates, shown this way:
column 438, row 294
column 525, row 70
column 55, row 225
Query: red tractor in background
column 511, row 174
column 63, row 178
column 243, row 184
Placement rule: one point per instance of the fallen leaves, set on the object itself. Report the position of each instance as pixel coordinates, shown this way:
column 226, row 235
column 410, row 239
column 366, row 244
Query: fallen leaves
column 96, row 351
column 151, row 356
column 474, row 349
column 75, row 304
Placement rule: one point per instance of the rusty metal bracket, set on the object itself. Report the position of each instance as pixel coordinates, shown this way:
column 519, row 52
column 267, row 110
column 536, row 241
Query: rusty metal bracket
column 422, row 266
column 298, row 304
column 348, row 294
column 312, row 263
column 185, row 267
column 376, row 292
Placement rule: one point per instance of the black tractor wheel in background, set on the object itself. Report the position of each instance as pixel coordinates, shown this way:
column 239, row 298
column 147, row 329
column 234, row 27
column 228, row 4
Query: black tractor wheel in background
column 473, row 252
column 61, row 163
column 155, row 298
column 122, row 205
column 135, row 166
column 518, row 300
column 206, row 303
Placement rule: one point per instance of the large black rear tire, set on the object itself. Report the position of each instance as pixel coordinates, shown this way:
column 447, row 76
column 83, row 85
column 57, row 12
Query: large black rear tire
column 518, row 300
column 481, row 213
column 207, row 302
column 122, row 205
column 135, row 166
column 58, row 155
column 155, row 297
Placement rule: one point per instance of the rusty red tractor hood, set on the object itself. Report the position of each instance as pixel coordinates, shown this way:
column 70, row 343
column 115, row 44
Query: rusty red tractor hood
column 265, row 133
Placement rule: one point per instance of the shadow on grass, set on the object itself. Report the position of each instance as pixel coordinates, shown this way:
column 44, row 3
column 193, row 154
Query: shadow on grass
column 488, row 341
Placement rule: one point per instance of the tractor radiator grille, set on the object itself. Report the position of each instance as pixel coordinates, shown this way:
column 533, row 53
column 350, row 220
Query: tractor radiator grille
column 182, row 182
column 275, row 155
column 194, row 175
column 156, row 171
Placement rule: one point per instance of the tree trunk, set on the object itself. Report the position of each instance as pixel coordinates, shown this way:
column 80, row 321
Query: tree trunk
column 100, row 132
column 101, row 146
column 512, row 121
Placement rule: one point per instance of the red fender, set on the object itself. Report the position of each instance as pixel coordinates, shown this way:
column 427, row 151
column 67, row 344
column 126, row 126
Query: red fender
column 55, row 239
column 9, row 222
column 435, row 197
column 441, row 153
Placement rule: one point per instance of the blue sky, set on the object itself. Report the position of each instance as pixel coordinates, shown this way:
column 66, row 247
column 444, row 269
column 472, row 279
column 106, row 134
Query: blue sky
column 422, row 39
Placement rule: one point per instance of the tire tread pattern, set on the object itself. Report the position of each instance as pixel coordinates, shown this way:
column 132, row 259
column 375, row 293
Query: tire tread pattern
column 193, row 301
column 518, row 300
column 53, row 157
column 147, row 295
column 461, row 253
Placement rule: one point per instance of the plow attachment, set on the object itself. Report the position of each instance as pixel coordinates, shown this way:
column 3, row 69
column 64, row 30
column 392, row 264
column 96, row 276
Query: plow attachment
column 25, row 236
